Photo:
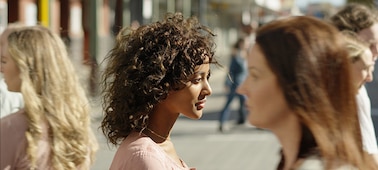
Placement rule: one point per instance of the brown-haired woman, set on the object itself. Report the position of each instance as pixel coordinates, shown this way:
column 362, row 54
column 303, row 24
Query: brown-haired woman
column 299, row 87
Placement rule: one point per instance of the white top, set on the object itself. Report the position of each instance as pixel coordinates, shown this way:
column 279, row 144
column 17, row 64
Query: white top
column 10, row 102
column 311, row 163
column 316, row 163
column 369, row 140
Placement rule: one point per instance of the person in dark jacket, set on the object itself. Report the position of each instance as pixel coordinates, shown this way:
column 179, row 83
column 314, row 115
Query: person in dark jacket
column 236, row 75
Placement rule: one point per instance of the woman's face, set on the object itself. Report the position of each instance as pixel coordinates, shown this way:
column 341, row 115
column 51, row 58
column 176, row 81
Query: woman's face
column 190, row 101
column 265, row 100
column 10, row 70
column 370, row 35
column 361, row 69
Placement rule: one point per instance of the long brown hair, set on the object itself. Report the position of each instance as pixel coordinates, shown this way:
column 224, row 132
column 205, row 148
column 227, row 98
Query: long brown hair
column 312, row 67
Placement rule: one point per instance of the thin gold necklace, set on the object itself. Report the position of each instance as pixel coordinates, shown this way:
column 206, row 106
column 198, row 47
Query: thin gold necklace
column 156, row 134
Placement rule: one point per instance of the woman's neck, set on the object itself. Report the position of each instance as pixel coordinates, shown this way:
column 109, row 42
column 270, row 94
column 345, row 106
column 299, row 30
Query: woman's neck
column 289, row 134
column 160, row 124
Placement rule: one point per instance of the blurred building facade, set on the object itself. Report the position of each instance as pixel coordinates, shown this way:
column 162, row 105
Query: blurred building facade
column 92, row 24
column 80, row 18
column 95, row 22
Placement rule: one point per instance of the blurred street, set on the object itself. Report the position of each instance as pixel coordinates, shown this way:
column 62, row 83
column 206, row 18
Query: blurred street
column 197, row 142
column 201, row 146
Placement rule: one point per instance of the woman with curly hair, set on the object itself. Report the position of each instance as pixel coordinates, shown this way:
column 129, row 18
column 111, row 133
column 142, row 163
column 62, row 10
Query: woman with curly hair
column 154, row 74
column 300, row 87
column 53, row 130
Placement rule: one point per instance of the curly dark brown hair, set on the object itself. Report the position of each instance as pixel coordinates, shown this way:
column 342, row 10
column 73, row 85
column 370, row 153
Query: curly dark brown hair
column 354, row 17
column 145, row 65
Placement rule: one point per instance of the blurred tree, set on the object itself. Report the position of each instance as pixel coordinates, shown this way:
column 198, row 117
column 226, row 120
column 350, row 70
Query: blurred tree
column 369, row 3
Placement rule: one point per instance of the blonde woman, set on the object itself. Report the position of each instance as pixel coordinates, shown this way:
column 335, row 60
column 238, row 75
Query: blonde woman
column 363, row 21
column 362, row 61
column 361, row 58
column 10, row 102
column 53, row 130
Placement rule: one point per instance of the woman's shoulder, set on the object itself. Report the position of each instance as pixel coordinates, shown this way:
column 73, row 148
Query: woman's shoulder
column 15, row 122
column 316, row 163
column 311, row 163
column 137, row 145
column 13, row 140
column 138, row 151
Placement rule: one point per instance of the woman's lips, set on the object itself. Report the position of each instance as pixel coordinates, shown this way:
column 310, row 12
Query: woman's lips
column 201, row 104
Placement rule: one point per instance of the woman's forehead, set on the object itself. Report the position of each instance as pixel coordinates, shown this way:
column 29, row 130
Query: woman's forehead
column 367, row 58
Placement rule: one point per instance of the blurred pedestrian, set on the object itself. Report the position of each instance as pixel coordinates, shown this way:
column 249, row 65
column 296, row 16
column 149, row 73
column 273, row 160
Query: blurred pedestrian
column 10, row 102
column 236, row 75
column 361, row 20
column 360, row 57
column 249, row 32
column 299, row 87
column 154, row 74
column 364, row 22
column 53, row 130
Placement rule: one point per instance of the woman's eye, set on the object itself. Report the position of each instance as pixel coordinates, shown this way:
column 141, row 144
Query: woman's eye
column 253, row 76
column 197, row 80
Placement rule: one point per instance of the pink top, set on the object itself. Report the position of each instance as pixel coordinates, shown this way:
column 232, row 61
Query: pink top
column 139, row 152
column 13, row 144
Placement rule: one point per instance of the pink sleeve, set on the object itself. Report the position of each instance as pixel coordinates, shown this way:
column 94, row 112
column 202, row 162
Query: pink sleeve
column 13, row 140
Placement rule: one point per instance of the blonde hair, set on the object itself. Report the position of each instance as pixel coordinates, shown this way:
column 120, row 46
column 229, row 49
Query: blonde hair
column 53, row 96
column 10, row 28
column 356, row 47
